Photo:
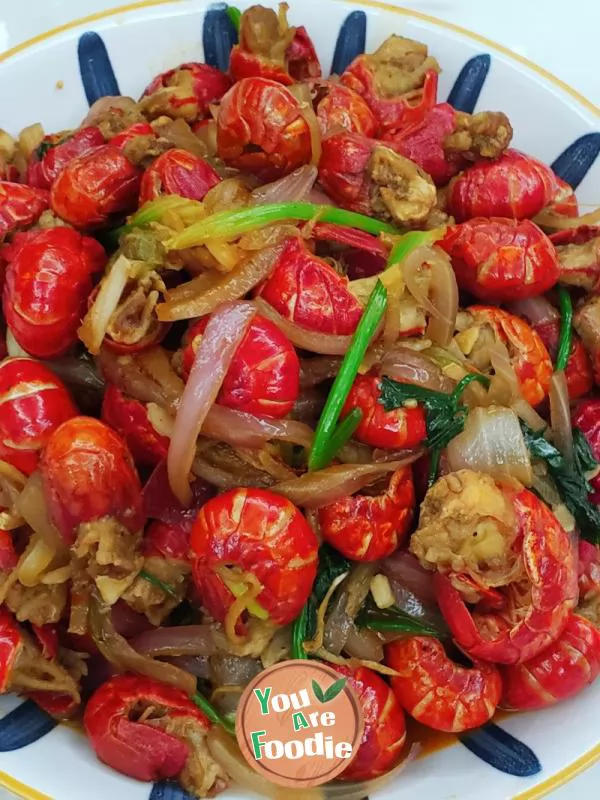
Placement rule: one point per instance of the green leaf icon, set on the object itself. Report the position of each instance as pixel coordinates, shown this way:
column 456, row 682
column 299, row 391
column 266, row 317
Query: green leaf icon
column 334, row 690
column 318, row 692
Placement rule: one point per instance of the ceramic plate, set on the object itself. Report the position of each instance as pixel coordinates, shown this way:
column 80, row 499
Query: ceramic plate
column 54, row 78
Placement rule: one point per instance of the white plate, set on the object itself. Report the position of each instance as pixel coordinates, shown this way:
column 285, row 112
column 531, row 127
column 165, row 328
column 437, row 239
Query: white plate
column 548, row 119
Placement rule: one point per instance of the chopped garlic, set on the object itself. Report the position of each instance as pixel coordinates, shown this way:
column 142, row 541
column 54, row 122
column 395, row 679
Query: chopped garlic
column 382, row 591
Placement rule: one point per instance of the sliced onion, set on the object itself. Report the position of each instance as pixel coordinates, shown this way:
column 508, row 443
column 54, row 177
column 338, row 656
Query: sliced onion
column 441, row 299
column 560, row 414
column 315, row 342
column 96, row 321
column 237, row 428
column 101, row 107
column 225, row 330
column 405, row 569
column 319, row 198
column 314, row 371
column 337, row 626
column 508, row 382
column 491, row 442
column 225, row 479
column 199, row 666
column 410, row 603
column 381, row 455
column 301, row 92
column 35, row 561
column 325, row 486
column 408, row 366
column 291, row 188
column 207, row 134
column 118, row 651
column 13, row 348
column 547, row 219
column 308, row 406
column 536, row 310
column 341, row 613
column 31, row 505
column 196, row 299
column 147, row 376
column 12, row 483
column 364, row 644
column 241, row 429
column 184, row 640
column 229, row 670
column 127, row 622
column 178, row 133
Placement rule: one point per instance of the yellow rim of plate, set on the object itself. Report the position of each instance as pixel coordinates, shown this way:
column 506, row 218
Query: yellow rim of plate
column 20, row 789
column 593, row 755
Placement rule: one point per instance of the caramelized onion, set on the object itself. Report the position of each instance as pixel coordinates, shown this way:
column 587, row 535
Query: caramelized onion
column 119, row 652
column 536, row 310
column 291, row 188
column 241, row 429
column 408, row 366
column 491, row 442
column 547, row 219
column 147, row 376
column 178, row 133
column 103, row 105
column 441, row 298
column 301, row 92
column 325, row 486
column 506, row 382
column 184, row 640
column 96, row 321
column 237, row 428
column 196, row 298
column 225, row 330
column 560, row 414
column 404, row 569
column 315, row 342
column 31, row 504
column 364, row 644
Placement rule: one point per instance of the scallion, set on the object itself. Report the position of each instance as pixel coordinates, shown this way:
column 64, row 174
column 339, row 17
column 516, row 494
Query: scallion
column 231, row 224
column 566, row 329
column 212, row 713
column 235, row 15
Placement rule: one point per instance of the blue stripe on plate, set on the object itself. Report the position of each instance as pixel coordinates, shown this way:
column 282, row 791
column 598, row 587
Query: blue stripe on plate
column 218, row 36
column 499, row 749
column 97, row 74
column 24, row 725
column 350, row 42
column 467, row 87
column 573, row 163
column 169, row 791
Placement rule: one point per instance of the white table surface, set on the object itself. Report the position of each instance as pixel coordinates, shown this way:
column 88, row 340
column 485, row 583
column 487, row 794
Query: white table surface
column 536, row 29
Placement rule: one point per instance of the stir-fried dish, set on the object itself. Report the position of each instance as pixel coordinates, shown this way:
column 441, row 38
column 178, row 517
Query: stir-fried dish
column 294, row 367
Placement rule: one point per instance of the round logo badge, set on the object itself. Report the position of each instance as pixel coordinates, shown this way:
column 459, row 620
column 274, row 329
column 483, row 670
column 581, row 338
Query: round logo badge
column 299, row 723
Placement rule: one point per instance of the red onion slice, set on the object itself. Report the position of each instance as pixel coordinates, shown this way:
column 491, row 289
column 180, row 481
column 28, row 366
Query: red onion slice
column 224, row 332
column 408, row 366
column 328, row 344
column 240, row 429
column 536, row 310
column 185, row 640
column 316, row 489
column 289, row 189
